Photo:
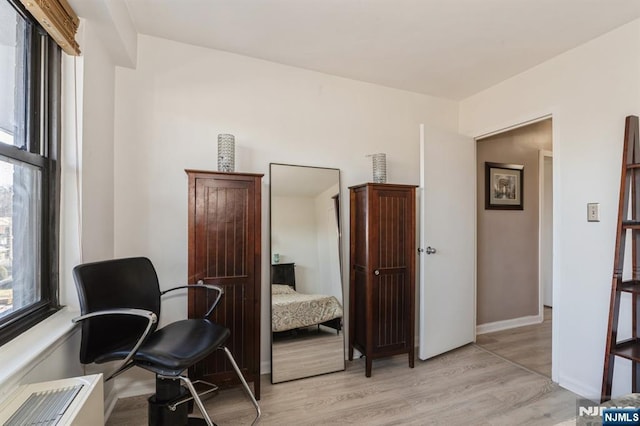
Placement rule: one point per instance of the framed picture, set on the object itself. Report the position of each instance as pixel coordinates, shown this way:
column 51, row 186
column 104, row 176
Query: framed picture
column 503, row 186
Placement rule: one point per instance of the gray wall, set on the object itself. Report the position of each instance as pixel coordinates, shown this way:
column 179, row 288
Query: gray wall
column 508, row 239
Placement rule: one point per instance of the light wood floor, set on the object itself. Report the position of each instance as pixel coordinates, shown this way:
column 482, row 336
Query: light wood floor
column 529, row 346
column 307, row 354
column 465, row 386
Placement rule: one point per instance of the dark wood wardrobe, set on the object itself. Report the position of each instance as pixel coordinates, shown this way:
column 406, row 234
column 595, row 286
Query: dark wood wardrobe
column 382, row 271
column 224, row 249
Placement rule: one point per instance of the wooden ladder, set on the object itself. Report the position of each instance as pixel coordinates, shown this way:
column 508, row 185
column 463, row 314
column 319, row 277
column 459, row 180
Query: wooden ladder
column 629, row 188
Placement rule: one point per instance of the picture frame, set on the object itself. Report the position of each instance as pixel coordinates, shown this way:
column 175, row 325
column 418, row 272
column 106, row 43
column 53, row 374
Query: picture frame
column 503, row 186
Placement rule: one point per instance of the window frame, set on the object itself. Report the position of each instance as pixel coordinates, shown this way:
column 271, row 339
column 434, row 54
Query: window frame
column 42, row 130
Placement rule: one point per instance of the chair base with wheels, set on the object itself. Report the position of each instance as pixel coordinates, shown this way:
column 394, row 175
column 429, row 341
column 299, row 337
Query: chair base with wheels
column 120, row 306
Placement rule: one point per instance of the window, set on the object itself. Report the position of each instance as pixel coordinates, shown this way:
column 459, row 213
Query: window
column 29, row 172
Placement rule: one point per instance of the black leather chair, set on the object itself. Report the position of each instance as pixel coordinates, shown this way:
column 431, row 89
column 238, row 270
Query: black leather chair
column 120, row 307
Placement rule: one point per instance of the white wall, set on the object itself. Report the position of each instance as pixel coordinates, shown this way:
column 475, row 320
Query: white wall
column 307, row 236
column 88, row 92
column 589, row 90
column 294, row 219
column 170, row 109
column 97, row 148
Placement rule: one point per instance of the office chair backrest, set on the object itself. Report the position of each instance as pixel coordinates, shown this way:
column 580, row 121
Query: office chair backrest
column 114, row 284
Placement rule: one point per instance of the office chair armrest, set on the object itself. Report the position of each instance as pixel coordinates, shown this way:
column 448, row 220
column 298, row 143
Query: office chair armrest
column 150, row 316
column 122, row 311
column 200, row 284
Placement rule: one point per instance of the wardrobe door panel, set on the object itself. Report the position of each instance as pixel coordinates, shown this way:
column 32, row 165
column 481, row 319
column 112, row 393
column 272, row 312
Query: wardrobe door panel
column 382, row 271
column 224, row 249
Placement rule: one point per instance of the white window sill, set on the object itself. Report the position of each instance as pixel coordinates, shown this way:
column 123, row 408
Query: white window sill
column 22, row 353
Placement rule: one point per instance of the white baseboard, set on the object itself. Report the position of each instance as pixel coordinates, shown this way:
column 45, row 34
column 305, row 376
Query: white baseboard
column 265, row 367
column 143, row 387
column 580, row 388
column 134, row 382
column 507, row 324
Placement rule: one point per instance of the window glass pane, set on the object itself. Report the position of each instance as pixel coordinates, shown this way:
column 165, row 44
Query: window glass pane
column 12, row 76
column 20, row 227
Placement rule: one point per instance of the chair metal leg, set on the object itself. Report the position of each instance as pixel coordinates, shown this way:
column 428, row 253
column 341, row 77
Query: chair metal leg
column 177, row 403
column 197, row 399
column 244, row 383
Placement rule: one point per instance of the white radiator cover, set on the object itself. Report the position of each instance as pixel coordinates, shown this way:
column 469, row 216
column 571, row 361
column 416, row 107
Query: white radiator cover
column 86, row 409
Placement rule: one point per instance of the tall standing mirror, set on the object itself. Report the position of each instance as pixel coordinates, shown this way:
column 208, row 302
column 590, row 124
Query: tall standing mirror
column 306, row 284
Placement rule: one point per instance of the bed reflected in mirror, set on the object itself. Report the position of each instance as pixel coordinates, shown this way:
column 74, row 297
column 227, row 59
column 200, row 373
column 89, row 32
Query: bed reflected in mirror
column 307, row 337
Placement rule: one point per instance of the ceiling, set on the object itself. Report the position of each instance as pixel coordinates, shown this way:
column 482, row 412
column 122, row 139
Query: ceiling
column 445, row 48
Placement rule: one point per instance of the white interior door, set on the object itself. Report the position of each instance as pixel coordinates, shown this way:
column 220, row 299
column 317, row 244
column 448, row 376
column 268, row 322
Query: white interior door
column 447, row 224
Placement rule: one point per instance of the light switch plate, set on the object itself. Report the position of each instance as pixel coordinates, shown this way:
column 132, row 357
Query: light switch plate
column 593, row 212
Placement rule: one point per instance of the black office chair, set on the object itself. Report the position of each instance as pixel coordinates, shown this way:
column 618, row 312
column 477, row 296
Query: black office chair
column 120, row 306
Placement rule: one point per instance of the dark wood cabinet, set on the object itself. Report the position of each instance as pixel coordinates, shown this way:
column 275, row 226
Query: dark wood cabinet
column 224, row 249
column 283, row 273
column 382, row 271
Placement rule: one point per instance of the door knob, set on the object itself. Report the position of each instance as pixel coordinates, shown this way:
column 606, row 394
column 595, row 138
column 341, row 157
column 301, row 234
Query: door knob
column 376, row 272
column 430, row 250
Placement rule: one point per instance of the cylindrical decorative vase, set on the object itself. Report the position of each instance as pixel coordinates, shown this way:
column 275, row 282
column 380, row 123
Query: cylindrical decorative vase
column 226, row 152
column 379, row 167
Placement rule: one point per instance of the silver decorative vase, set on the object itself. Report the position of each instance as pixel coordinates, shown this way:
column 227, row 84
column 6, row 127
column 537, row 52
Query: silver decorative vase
column 226, row 152
column 379, row 167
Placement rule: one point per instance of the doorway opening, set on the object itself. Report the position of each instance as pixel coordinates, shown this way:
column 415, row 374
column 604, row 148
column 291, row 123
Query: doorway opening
column 515, row 245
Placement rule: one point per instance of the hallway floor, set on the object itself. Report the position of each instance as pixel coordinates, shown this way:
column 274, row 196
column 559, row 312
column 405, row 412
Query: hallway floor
column 528, row 346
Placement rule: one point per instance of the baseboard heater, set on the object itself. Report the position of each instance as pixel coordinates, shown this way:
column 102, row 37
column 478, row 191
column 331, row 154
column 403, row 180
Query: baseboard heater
column 76, row 401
